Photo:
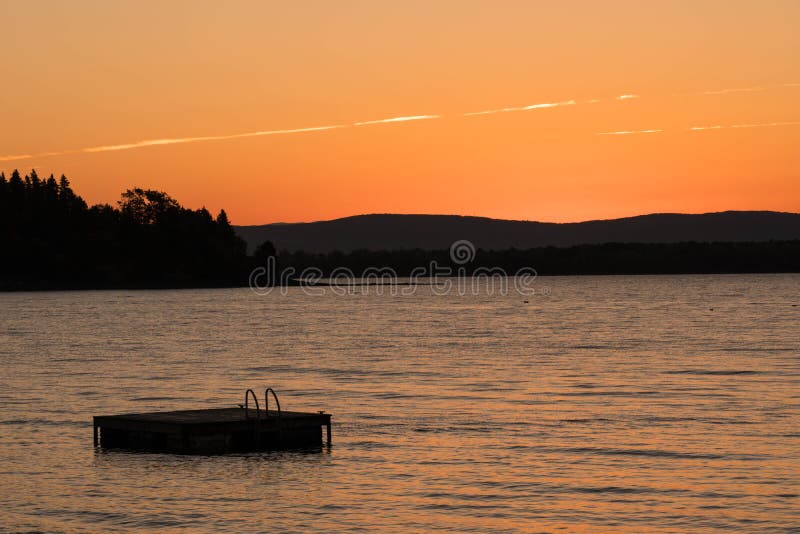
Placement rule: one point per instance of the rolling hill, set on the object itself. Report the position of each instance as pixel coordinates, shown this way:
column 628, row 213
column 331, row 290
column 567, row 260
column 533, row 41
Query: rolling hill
column 395, row 232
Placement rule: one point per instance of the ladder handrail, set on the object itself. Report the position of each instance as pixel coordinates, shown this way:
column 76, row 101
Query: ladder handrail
column 246, row 406
column 257, row 426
column 266, row 401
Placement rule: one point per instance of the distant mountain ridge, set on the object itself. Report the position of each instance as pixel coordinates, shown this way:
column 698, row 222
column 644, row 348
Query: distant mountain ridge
column 432, row 232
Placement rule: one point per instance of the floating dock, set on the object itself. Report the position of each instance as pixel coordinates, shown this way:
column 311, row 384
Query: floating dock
column 214, row 431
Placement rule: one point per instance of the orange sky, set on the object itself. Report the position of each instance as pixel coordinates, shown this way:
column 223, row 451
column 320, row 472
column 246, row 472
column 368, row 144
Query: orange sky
column 79, row 75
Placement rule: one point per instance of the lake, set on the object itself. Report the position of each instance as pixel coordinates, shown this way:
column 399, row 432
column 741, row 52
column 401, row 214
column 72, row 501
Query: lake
column 643, row 403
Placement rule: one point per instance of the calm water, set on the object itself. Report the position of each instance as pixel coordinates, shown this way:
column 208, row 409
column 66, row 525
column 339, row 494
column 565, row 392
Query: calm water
column 611, row 404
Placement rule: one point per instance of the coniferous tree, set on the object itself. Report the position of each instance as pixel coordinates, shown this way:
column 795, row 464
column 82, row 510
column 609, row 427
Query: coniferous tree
column 65, row 192
column 35, row 181
column 3, row 208
column 51, row 191
column 16, row 197
column 222, row 219
column 3, row 191
column 264, row 252
column 149, row 240
column 16, row 187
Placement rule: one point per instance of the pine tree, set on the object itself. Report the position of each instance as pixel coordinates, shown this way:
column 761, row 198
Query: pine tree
column 16, row 189
column 222, row 219
column 65, row 193
column 51, row 191
column 36, row 183
column 3, row 199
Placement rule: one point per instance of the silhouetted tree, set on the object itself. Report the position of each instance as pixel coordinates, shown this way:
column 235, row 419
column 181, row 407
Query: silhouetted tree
column 16, row 188
column 222, row 219
column 51, row 191
column 49, row 238
column 3, row 194
column 608, row 258
column 145, row 206
column 54, row 240
column 263, row 252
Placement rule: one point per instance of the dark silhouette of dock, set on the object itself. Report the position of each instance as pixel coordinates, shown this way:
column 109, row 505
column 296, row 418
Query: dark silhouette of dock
column 213, row 431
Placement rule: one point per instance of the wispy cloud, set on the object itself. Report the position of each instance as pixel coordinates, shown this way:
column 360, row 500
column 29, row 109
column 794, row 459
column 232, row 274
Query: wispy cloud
column 181, row 140
column 41, row 155
column 707, row 127
column 197, row 139
column 171, row 141
column 748, row 125
column 700, row 128
column 16, row 157
column 766, row 124
column 548, row 105
column 736, row 90
column 490, row 111
column 398, row 119
column 530, row 107
column 732, row 90
column 630, row 132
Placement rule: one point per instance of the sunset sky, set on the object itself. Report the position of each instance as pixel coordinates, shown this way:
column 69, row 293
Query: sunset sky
column 212, row 87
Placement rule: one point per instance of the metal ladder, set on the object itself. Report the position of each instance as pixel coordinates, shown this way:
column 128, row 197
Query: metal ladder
column 257, row 426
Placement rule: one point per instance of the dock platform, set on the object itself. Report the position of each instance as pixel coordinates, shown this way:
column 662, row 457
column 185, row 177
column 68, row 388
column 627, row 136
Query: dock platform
column 213, row 431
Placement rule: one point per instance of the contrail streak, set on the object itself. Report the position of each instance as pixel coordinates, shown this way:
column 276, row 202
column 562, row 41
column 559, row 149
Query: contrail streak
column 398, row 119
column 183, row 140
column 43, row 154
column 19, row 156
column 521, row 108
column 727, row 91
column 751, row 125
column 173, row 141
column 707, row 127
column 530, row 107
column 180, row 140
column 736, row 90
column 629, row 132
column 766, row 124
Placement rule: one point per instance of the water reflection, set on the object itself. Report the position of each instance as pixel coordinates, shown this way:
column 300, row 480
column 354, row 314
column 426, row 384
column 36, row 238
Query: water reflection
column 613, row 404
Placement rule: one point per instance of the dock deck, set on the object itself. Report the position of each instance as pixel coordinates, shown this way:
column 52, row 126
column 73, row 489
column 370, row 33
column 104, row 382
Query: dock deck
column 212, row 431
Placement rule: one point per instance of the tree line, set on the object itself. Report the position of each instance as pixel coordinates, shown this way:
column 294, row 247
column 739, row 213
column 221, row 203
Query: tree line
column 50, row 238
column 602, row 259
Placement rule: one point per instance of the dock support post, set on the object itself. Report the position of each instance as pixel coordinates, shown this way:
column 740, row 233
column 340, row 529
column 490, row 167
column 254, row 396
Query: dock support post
column 96, row 441
column 328, row 430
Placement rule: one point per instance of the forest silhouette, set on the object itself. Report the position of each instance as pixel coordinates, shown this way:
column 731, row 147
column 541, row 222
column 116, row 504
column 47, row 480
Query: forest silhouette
column 722, row 257
column 51, row 239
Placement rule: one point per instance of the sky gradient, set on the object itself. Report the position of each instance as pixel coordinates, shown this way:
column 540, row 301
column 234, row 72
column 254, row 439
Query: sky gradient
column 553, row 111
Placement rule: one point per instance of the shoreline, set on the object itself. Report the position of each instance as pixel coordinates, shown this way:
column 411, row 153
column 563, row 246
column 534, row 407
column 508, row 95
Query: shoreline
column 345, row 284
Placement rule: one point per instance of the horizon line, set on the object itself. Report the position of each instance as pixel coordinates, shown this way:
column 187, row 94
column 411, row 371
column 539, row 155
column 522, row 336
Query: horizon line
column 284, row 223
